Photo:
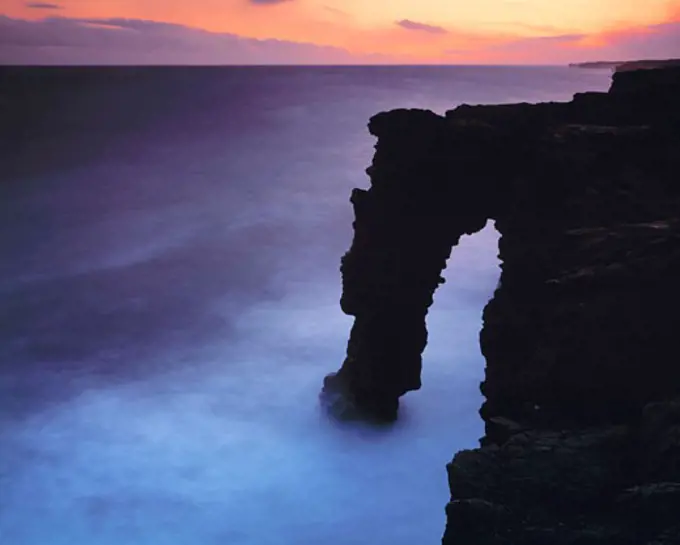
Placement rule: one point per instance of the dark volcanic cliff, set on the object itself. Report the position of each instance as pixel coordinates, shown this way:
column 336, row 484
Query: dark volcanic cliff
column 582, row 383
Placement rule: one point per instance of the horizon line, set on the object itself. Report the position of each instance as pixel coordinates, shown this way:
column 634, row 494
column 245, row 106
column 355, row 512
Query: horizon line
column 293, row 65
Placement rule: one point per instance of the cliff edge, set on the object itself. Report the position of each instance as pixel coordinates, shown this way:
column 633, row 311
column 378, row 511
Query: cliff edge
column 627, row 66
column 582, row 385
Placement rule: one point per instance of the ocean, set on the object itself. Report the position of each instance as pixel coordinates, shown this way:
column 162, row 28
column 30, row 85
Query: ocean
column 170, row 242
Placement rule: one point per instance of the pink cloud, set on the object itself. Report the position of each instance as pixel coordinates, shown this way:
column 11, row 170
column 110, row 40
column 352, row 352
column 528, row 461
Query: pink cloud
column 650, row 42
column 60, row 40
column 422, row 27
column 654, row 41
column 41, row 5
column 267, row 2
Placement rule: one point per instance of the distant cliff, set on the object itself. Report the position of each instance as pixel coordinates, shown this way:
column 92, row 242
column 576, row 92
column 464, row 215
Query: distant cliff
column 582, row 385
column 626, row 66
column 597, row 64
column 647, row 65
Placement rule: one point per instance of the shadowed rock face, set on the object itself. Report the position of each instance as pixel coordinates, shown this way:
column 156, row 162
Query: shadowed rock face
column 582, row 388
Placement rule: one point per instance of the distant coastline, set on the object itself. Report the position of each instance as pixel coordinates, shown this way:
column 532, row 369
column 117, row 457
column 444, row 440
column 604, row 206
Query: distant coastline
column 627, row 66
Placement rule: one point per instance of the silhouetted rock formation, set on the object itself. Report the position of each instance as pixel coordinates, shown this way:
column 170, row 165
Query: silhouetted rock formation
column 582, row 386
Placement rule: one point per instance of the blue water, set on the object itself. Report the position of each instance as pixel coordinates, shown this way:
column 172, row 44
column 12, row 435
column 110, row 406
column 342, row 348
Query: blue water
column 169, row 293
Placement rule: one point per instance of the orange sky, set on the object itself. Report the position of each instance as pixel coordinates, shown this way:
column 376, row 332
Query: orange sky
column 438, row 30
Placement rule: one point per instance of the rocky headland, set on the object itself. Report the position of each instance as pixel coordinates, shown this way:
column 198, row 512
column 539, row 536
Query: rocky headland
column 627, row 66
column 582, row 380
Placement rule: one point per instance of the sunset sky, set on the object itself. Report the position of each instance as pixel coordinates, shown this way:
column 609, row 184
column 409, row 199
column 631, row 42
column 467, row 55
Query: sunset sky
column 338, row 31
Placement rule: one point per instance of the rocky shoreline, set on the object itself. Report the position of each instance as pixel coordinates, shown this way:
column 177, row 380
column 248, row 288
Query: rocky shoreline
column 582, row 386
